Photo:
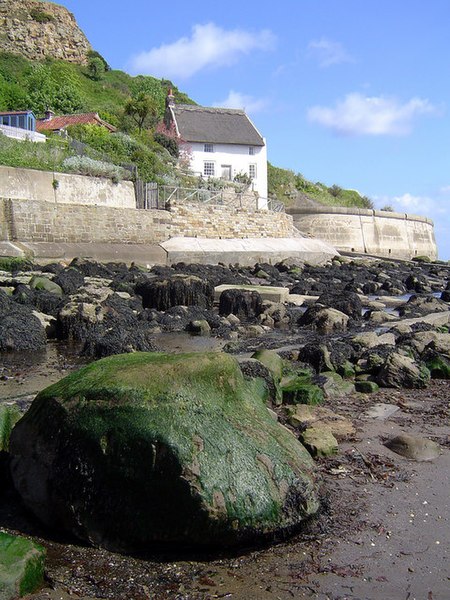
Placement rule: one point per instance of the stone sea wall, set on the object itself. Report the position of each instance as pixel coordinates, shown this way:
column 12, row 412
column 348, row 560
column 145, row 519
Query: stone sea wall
column 38, row 30
column 35, row 221
column 397, row 235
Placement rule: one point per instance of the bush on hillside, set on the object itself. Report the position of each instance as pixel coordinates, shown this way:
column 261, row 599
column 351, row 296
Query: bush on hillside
column 83, row 165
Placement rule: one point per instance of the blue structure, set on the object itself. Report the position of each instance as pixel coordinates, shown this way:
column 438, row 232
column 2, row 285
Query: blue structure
column 21, row 119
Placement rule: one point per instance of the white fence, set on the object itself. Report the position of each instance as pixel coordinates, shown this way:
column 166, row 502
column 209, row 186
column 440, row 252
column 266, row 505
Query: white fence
column 22, row 134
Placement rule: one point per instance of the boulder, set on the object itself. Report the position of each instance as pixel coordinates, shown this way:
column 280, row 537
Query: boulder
column 402, row 372
column 69, row 280
column 199, row 327
column 319, row 441
column 148, row 447
column 413, row 447
column 345, row 301
column 365, row 386
column 39, row 282
column 299, row 388
column 245, row 304
column 21, row 330
column 9, row 415
column 303, row 416
column 21, row 566
column 178, row 290
column 325, row 320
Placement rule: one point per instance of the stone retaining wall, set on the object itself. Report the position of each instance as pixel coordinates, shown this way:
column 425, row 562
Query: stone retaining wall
column 377, row 232
column 34, row 221
column 217, row 221
column 68, row 189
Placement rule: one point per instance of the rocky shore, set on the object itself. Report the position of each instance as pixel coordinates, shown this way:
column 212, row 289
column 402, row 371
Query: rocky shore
column 364, row 347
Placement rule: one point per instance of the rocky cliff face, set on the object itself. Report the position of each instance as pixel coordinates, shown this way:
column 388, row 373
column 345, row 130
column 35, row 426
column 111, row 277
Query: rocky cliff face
column 38, row 29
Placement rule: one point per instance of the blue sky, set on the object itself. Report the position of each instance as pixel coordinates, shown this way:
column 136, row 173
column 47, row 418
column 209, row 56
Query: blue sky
column 347, row 92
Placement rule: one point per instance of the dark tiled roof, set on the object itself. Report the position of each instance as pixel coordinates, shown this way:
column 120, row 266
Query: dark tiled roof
column 57, row 123
column 216, row 125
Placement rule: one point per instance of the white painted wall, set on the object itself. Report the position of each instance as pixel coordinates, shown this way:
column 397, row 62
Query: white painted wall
column 239, row 159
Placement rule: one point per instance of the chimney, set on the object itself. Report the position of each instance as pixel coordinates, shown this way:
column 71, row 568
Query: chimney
column 170, row 100
column 48, row 115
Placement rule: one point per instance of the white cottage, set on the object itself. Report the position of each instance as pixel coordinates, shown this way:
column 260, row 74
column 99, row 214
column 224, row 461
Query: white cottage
column 223, row 141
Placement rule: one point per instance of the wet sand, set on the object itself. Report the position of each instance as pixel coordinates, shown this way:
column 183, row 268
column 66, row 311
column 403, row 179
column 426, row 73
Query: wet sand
column 383, row 532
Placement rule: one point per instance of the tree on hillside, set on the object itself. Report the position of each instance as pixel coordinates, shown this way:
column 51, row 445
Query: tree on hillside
column 96, row 68
column 143, row 110
column 53, row 86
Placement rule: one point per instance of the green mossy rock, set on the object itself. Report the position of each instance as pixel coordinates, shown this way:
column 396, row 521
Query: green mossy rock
column 149, row 447
column 21, row 566
column 319, row 441
column 439, row 366
column 43, row 283
column 300, row 390
column 366, row 386
column 334, row 386
column 9, row 415
column 272, row 361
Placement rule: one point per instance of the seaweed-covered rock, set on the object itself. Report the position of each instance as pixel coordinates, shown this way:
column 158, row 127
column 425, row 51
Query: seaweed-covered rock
column 101, row 342
column 245, row 304
column 21, row 330
column 418, row 306
column 69, row 280
column 345, row 301
column 317, row 355
column 324, row 319
column 149, row 447
column 178, row 290
column 402, row 372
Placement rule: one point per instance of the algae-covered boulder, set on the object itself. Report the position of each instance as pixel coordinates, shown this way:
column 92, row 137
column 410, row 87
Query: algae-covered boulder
column 149, row 447
column 21, row 566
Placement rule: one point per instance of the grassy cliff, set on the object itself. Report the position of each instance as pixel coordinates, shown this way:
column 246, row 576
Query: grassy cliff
column 70, row 88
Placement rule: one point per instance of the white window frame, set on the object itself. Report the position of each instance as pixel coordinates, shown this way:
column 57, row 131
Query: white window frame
column 251, row 150
column 208, row 147
column 209, row 168
column 252, row 172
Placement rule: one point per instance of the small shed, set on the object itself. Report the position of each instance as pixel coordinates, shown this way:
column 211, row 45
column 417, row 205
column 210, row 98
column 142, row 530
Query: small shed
column 21, row 119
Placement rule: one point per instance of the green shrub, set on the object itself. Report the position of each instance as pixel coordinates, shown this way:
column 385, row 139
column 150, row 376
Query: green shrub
column 83, row 165
column 169, row 143
column 41, row 16
column 12, row 264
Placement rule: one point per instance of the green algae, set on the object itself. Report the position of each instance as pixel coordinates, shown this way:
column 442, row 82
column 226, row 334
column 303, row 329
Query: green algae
column 21, row 566
column 182, row 446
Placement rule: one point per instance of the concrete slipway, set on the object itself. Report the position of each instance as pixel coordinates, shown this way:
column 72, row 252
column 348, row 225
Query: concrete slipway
column 245, row 251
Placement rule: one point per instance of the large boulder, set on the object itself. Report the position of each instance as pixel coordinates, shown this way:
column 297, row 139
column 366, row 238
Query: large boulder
column 402, row 372
column 323, row 319
column 149, row 447
column 178, row 290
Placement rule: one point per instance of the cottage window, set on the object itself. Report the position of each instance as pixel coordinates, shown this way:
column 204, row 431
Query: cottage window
column 252, row 171
column 208, row 169
column 251, row 150
column 208, row 148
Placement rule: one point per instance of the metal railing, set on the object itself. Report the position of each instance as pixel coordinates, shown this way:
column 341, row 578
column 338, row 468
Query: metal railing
column 168, row 194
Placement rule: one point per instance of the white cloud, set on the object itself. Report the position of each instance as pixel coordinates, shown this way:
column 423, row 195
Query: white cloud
column 328, row 53
column 374, row 115
column 238, row 100
column 409, row 203
column 208, row 46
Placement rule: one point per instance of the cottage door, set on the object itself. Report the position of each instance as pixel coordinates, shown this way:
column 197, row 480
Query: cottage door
column 226, row 172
